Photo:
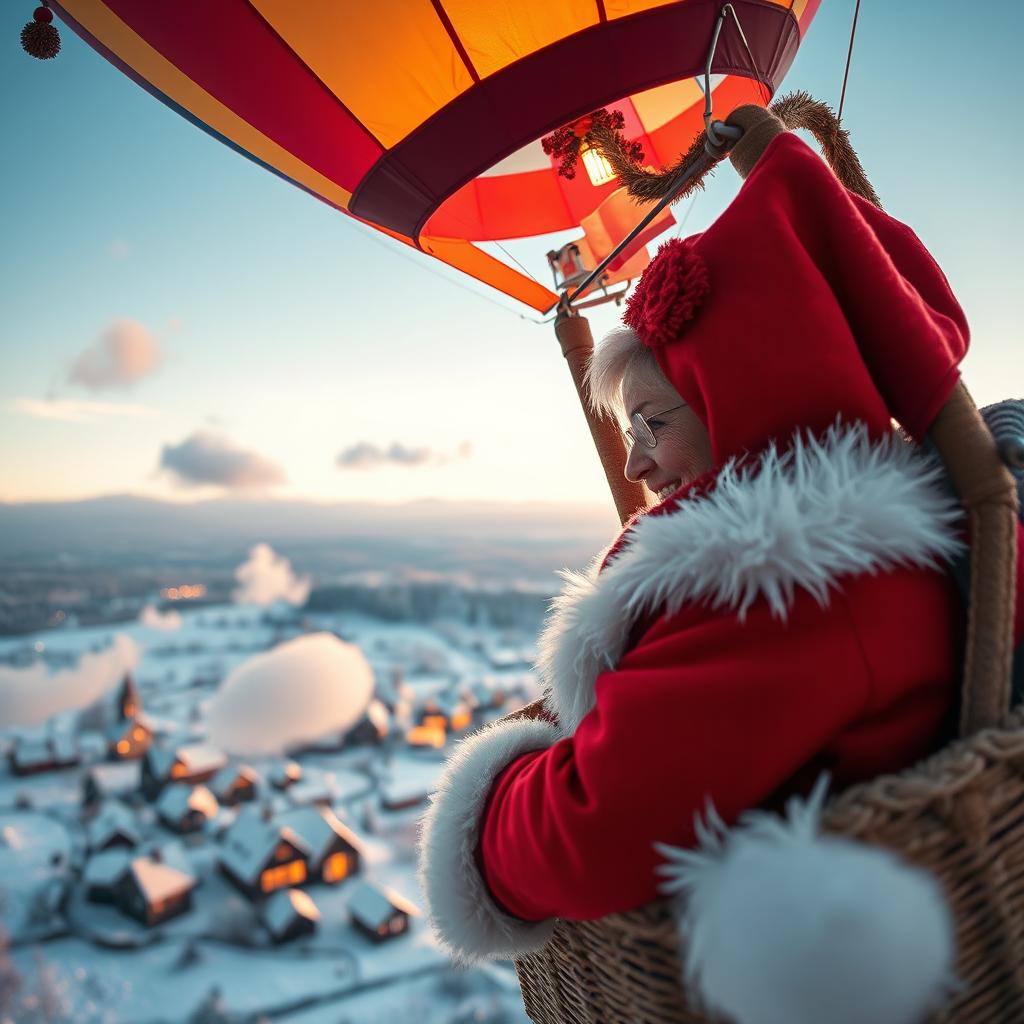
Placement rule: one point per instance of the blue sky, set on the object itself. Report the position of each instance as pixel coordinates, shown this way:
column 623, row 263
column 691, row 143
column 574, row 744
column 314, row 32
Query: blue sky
column 295, row 333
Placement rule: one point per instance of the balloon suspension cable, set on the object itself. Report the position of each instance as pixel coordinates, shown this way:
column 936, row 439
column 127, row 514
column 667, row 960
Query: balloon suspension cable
column 849, row 57
column 698, row 168
column 719, row 139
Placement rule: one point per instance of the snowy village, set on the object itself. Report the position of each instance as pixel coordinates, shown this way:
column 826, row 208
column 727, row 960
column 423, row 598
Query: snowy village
column 150, row 874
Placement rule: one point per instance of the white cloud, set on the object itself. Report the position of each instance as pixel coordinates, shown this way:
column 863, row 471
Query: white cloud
column 267, row 577
column 296, row 693
column 210, row 458
column 29, row 696
column 124, row 353
column 73, row 410
column 367, row 455
column 153, row 618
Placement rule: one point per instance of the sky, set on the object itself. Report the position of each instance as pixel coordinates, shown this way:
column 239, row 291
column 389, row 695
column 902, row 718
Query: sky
column 272, row 342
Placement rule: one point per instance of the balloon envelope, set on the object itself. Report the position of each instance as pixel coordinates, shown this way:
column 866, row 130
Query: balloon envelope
column 423, row 117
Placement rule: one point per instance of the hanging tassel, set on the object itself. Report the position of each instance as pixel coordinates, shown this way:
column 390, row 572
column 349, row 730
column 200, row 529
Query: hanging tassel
column 40, row 38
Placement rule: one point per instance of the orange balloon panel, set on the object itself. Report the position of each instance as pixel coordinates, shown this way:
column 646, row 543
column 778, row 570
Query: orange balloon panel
column 423, row 117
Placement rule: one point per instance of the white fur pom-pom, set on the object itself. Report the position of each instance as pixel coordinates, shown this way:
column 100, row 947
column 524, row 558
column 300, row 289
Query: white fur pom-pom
column 784, row 926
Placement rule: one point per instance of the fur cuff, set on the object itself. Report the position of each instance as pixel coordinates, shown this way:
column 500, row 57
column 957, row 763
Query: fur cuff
column 464, row 915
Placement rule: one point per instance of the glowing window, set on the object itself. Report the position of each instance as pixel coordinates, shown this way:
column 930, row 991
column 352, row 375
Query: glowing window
column 283, row 875
column 122, row 746
column 336, row 867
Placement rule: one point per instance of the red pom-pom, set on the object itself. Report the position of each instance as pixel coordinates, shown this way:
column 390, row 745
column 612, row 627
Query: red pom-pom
column 39, row 38
column 669, row 293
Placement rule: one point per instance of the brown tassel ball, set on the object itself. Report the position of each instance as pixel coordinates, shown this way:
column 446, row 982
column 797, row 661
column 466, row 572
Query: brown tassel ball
column 39, row 38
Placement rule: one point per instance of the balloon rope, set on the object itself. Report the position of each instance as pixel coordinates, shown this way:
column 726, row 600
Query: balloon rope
column 849, row 56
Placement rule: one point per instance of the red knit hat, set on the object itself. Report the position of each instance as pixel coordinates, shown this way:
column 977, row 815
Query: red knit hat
column 800, row 303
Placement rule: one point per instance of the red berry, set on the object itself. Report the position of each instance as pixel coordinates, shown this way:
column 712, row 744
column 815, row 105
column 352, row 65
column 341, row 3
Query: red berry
column 43, row 14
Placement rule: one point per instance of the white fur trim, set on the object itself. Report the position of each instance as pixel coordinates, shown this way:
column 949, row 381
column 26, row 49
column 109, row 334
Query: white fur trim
column 465, row 917
column 803, row 519
column 784, row 926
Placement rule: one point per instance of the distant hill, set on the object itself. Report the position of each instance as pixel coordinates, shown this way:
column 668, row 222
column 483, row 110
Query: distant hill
column 128, row 525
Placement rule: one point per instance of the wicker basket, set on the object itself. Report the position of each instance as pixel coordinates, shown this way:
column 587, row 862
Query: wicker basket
column 960, row 814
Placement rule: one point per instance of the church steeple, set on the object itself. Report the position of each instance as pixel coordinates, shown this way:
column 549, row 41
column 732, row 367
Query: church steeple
column 128, row 703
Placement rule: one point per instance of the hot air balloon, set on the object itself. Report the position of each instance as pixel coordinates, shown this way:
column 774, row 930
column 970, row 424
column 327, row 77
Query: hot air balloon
column 426, row 118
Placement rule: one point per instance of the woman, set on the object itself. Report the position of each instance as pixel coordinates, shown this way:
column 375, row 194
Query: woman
column 782, row 612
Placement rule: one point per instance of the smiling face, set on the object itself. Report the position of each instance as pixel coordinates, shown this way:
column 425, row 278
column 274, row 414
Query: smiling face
column 683, row 449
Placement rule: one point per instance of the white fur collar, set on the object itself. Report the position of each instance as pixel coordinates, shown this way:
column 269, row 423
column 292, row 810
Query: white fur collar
column 824, row 509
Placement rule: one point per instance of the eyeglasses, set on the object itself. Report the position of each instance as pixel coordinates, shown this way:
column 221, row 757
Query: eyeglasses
column 642, row 428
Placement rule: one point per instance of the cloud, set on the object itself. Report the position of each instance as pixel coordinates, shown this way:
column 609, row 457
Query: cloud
column 153, row 618
column 124, row 353
column 296, row 693
column 72, row 410
column 267, row 577
column 29, row 696
column 209, row 458
column 367, row 455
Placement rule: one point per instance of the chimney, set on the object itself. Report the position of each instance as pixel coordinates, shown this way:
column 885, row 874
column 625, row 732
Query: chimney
column 156, row 855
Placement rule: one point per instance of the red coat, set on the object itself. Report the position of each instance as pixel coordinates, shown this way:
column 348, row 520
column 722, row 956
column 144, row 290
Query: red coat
column 793, row 620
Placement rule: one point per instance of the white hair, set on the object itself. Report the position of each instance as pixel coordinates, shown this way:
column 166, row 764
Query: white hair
column 621, row 351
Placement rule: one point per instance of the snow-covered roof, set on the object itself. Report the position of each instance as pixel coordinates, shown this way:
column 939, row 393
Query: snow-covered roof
column 404, row 790
column 123, row 726
column 113, row 818
column 160, row 759
column 248, row 844
column 201, row 757
column 172, row 853
column 310, row 791
column 178, row 799
column 116, row 777
column 284, row 907
column 225, row 778
column 373, row 905
column 65, row 747
column 317, row 828
column 284, row 773
column 31, row 751
column 106, row 867
column 159, row 881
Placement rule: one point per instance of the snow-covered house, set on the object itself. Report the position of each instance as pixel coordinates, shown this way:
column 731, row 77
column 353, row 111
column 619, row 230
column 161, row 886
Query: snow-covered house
column 152, row 891
column 373, row 728
column 445, row 711
column 190, row 762
column 334, row 849
column 128, row 738
column 186, row 808
column 31, row 754
column 316, row 792
column 403, row 793
column 288, row 914
column 234, row 784
column 103, row 872
column 379, row 913
column 284, row 774
column 104, row 782
column 113, row 825
column 261, row 856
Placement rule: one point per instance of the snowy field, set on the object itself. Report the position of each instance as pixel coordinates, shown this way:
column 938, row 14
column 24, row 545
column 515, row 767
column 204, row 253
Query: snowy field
column 72, row 959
